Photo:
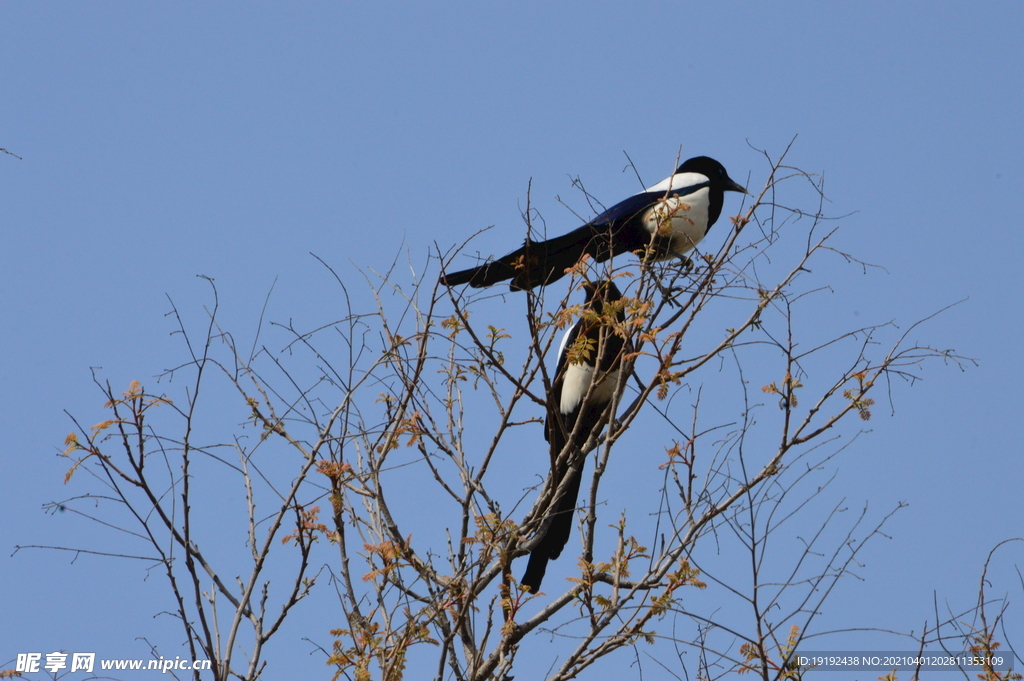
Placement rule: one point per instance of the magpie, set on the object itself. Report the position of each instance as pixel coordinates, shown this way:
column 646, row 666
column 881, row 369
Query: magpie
column 590, row 351
column 672, row 216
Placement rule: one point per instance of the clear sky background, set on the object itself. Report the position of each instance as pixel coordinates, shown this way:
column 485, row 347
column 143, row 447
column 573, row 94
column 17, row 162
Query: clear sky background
column 159, row 142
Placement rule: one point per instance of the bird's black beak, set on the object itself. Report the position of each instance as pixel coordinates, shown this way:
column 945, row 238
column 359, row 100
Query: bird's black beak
column 734, row 187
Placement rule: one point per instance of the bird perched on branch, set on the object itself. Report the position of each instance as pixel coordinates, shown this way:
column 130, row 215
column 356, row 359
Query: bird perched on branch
column 590, row 351
column 672, row 217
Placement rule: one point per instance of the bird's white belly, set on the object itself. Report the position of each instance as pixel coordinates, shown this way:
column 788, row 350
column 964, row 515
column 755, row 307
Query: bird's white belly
column 682, row 219
column 578, row 378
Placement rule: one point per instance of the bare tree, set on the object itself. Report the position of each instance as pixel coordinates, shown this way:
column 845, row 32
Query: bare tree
column 386, row 447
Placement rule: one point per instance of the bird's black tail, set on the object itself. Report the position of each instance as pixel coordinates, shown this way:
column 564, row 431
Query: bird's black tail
column 538, row 263
column 557, row 536
column 484, row 275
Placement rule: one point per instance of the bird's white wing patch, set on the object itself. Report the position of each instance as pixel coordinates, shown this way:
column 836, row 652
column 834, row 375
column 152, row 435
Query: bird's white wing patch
column 677, row 182
column 565, row 341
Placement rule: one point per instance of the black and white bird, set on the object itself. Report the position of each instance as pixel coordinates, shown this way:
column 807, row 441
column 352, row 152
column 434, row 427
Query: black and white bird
column 590, row 351
column 671, row 216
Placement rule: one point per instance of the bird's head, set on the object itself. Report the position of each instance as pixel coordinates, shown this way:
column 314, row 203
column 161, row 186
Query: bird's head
column 714, row 171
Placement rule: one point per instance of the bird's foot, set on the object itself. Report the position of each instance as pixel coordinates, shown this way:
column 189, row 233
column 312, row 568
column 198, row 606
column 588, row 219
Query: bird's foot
column 685, row 264
column 669, row 293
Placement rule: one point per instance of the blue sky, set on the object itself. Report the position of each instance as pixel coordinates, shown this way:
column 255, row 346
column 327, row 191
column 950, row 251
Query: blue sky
column 158, row 143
